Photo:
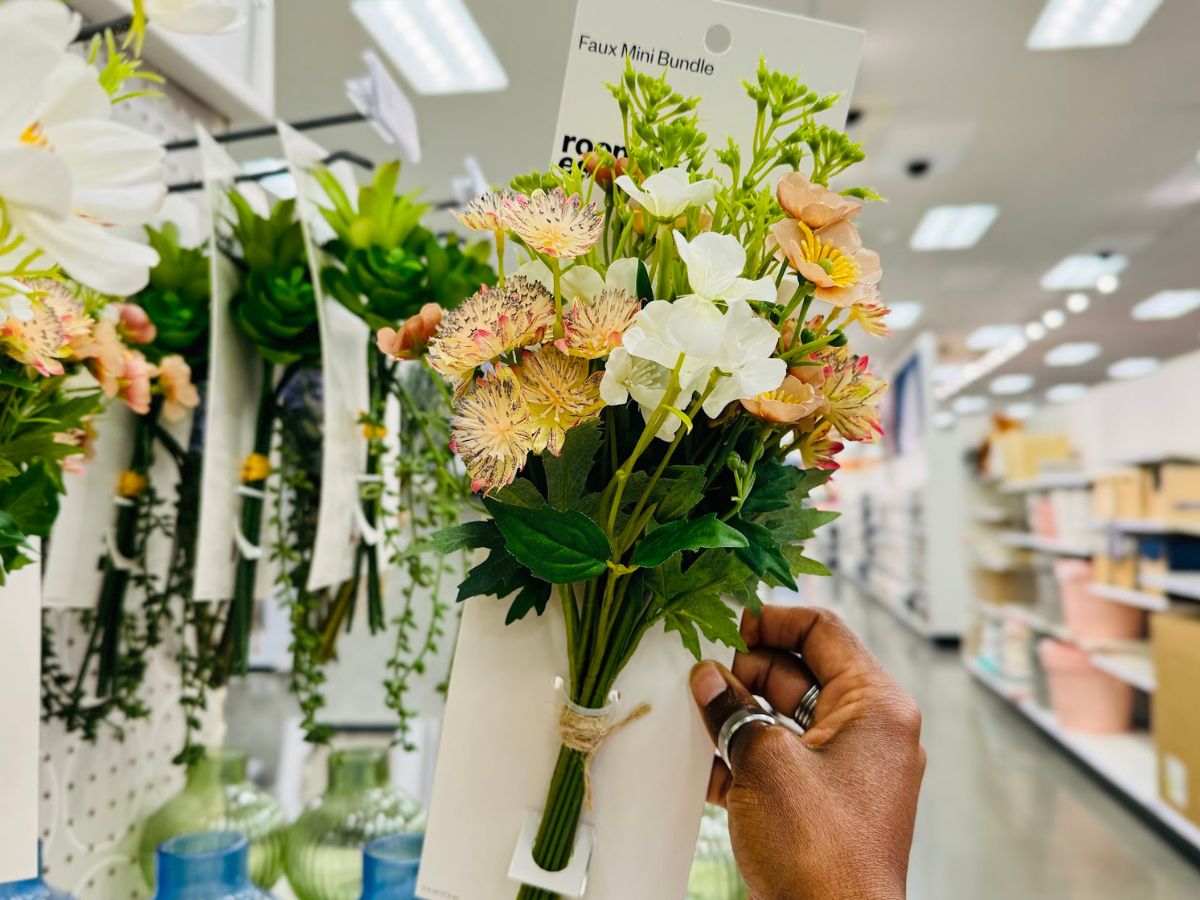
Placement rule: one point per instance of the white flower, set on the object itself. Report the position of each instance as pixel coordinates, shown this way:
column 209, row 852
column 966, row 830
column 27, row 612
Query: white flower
column 53, row 21
column 714, row 266
column 68, row 173
column 746, row 363
column 645, row 381
column 193, row 16
column 666, row 194
column 584, row 282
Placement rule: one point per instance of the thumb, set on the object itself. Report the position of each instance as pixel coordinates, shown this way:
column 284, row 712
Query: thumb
column 719, row 695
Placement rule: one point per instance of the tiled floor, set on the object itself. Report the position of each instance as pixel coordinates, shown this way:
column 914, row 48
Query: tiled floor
column 1004, row 815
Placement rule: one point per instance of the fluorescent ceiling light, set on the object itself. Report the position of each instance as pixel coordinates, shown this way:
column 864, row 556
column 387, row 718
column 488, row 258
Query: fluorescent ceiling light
column 1083, row 271
column 970, row 404
column 1167, row 305
column 1035, row 331
column 1065, row 393
column 1020, row 410
column 988, row 337
column 435, row 43
column 1054, row 318
column 1134, row 367
column 1090, row 23
column 1078, row 303
column 904, row 315
column 1073, row 353
column 1007, row 385
column 954, row 227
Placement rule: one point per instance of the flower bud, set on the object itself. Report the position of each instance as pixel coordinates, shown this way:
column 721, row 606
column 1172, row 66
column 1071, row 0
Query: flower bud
column 839, row 340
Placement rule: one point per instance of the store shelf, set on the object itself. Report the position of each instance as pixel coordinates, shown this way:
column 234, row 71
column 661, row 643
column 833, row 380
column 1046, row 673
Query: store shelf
column 1181, row 584
column 1126, row 762
column 1135, row 668
column 1146, row 526
column 1027, row 541
column 993, row 515
column 1040, row 624
column 1065, row 481
column 1130, row 597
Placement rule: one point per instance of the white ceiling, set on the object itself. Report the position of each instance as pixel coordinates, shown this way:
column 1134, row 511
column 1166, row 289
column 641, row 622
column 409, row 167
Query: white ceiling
column 1083, row 150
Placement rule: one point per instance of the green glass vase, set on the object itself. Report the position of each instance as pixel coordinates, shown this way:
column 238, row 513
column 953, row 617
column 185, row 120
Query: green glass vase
column 325, row 845
column 714, row 873
column 219, row 797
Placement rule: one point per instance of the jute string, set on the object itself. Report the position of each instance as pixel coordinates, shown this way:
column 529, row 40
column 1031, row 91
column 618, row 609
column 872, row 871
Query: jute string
column 585, row 733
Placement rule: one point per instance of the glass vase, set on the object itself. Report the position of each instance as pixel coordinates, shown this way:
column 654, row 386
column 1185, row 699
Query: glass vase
column 211, row 865
column 32, row 888
column 219, row 797
column 390, row 867
column 714, row 873
column 325, row 845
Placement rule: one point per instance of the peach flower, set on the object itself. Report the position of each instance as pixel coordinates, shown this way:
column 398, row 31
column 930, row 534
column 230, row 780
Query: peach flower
column 134, row 324
column 813, row 204
column 832, row 258
column 414, row 335
column 104, row 356
column 175, row 382
column 134, row 382
column 790, row 402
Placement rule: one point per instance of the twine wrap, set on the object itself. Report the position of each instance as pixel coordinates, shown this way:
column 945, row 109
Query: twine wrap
column 584, row 730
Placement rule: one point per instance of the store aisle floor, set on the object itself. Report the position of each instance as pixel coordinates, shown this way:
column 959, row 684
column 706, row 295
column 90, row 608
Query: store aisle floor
column 1005, row 815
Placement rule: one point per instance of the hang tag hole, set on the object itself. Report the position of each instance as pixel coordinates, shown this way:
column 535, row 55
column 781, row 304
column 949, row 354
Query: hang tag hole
column 718, row 39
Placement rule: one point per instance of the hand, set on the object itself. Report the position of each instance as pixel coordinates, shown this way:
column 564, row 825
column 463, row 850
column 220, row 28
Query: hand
column 828, row 815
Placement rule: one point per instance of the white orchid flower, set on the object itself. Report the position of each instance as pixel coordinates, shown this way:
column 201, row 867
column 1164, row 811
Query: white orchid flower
column 667, row 194
column 52, row 21
column 714, row 265
column 584, row 282
column 193, row 16
column 746, row 362
column 67, row 172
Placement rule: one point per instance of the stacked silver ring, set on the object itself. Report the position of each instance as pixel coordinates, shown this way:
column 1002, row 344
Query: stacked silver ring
column 739, row 719
column 808, row 704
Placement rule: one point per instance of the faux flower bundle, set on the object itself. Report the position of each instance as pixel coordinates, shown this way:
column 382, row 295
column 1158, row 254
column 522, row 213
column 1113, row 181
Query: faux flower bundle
column 647, row 403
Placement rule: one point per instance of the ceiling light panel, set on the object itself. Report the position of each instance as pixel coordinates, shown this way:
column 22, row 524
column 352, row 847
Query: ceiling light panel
column 1008, row 385
column 1073, row 353
column 954, row 227
column 1083, row 271
column 1134, row 367
column 1090, row 23
column 1167, row 305
column 435, row 43
column 970, row 404
column 987, row 337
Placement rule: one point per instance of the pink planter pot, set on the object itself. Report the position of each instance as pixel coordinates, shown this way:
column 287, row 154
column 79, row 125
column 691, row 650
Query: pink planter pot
column 1084, row 698
column 1093, row 618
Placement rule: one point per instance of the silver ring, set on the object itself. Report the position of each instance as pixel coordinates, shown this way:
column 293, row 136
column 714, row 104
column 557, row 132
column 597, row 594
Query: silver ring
column 803, row 715
column 733, row 724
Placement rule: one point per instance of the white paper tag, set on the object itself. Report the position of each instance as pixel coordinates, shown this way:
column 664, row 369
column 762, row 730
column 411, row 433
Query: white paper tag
column 344, row 344
column 571, row 881
column 20, row 711
column 678, row 35
column 231, row 403
column 377, row 96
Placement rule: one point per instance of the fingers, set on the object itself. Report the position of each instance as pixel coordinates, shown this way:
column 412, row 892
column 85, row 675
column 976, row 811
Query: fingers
column 779, row 677
column 719, row 782
column 826, row 643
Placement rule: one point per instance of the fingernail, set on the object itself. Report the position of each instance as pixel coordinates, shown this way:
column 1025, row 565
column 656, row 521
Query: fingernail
column 707, row 683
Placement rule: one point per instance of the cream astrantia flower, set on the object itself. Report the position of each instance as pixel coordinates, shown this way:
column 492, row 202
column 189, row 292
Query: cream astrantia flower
column 493, row 432
column 559, row 394
column 37, row 341
column 714, row 265
column 790, row 402
column 853, row 394
column 14, row 301
column 669, row 193
column 68, row 173
column 593, row 329
column 193, row 16
column 486, row 212
column 492, row 323
column 178, row 390
column 832, row 258
column 813, row 204
column 554, row 223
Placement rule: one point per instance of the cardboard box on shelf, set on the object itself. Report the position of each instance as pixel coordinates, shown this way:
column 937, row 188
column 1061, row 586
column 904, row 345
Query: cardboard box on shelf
column 1177, row 498
column 1122, row 495
column 1025, row 456
column 1175, row 640
column 1119, row 572
column 1002, row 588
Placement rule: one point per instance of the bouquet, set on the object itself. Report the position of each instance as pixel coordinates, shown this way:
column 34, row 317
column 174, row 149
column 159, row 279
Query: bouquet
column 647, row 403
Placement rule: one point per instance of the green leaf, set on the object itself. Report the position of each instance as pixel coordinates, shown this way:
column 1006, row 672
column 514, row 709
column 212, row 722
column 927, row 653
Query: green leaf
column 533, row 596
column 556, row 545
column 521, row 492
column 695, row 534
column 467, row 536
column 762, row 553
column 20, row 382
column 566, row 474
column 497, row 576
column 801, row 564
column 797, row 524
column 678, row 492
column 774, row 483
column 715, row 619
column 31, row 499
column 10, row 533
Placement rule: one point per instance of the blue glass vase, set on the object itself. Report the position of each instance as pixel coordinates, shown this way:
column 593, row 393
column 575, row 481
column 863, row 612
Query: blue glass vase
column 390, row 867
column 211, row 865
column 31, row 888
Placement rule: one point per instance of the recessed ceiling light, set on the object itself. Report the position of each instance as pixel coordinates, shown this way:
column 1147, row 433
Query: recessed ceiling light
column 904, row 315
column 1035, row 331
column 988, row 337
column 970, row 404
column 1108, row 284
column 1007, row 385
column 1078, row 303
column 943, row 419
column 1020, row 410
column 1065, row 393
column 1134, row 367
column 435, row 43
column 1167, row 305
column 1090, row 23
column 1073, row 353
column 1054, row 318
column 1083, row 271
column 954, row 227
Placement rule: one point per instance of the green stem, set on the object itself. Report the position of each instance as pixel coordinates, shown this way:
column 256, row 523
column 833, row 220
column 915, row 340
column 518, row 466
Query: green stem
column 500, row 256
column 556, row 269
